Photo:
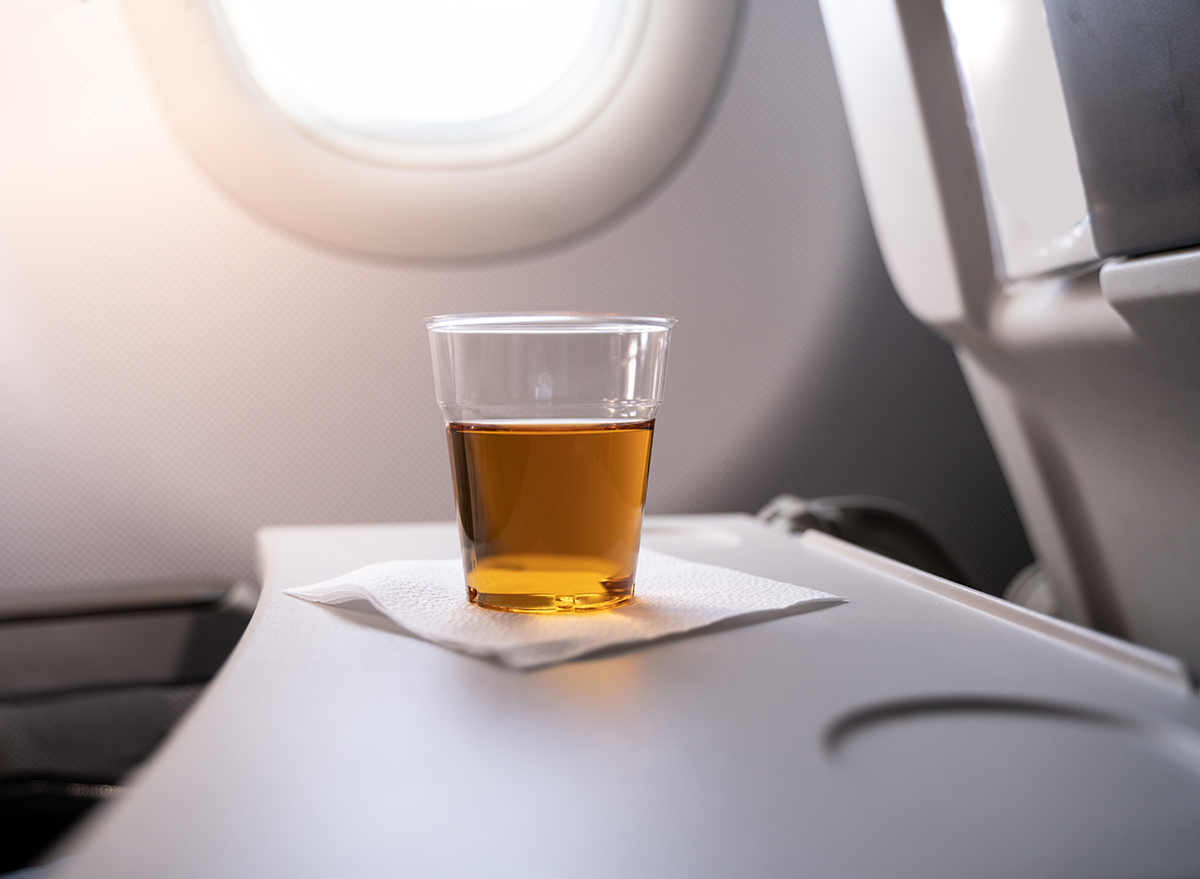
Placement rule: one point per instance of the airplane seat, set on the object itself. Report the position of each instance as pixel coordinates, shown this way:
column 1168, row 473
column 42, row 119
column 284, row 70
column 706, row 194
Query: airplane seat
column 92, row 678
column 1030, row 175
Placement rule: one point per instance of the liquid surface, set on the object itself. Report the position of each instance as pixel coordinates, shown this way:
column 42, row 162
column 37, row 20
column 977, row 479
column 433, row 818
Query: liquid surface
column 550, row 515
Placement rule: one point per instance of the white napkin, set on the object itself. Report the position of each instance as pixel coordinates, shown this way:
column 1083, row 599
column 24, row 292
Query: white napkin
column 428, row 599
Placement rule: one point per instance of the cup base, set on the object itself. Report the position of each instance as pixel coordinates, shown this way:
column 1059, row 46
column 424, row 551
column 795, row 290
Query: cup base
column 548, row 582
column 548, row 602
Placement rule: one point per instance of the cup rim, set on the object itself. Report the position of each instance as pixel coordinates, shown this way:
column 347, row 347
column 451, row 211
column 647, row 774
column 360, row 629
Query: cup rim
column 547, row 322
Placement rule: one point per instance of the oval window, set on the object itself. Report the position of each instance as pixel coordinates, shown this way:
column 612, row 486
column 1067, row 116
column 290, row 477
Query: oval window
column 402, row 81
column 455, row 128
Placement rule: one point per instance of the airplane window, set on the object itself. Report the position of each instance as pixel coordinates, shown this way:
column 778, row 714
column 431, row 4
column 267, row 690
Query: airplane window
column 411, row 128
column 446, row 71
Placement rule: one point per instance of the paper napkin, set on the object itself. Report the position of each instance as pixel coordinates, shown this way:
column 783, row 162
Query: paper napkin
column 428, row 599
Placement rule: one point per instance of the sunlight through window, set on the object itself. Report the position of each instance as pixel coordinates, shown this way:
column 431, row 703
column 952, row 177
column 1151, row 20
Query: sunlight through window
column 414, row 70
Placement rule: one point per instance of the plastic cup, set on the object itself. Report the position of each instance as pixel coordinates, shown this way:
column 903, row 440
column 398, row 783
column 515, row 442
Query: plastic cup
column 549, row 419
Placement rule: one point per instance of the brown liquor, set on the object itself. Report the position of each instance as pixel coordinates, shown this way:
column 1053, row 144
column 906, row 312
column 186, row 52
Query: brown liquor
column 550, row 514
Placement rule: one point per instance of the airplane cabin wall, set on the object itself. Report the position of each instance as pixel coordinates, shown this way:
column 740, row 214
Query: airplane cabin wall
column 176, row 371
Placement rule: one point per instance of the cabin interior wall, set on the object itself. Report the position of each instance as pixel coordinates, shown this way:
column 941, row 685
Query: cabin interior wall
column 175, row 371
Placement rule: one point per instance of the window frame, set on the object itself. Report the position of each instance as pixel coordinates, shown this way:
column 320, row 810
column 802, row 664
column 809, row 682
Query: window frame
column 567, row 175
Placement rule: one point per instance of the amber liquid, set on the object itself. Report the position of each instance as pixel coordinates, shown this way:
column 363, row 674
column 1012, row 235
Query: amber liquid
column 550, row 515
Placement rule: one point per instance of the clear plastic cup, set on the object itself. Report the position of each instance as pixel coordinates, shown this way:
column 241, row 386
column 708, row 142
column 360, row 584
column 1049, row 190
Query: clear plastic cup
column 549, row 418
